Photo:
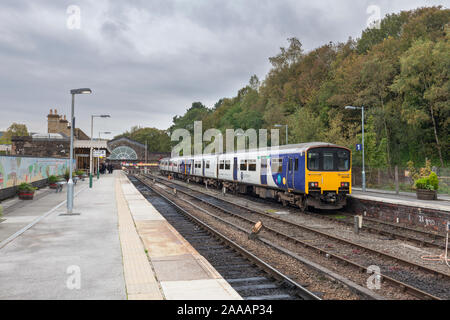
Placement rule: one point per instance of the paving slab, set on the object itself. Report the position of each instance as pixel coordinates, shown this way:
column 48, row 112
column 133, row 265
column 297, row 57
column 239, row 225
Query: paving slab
column 66, row 257
column 180, row 270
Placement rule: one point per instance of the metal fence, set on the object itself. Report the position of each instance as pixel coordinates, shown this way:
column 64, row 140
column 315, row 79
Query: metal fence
column 384, row 178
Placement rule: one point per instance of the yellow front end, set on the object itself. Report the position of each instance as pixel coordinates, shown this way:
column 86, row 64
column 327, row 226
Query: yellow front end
column 328, row 181
column 337, row 181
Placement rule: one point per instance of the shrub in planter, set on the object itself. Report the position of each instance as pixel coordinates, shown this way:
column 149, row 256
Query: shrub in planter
column 426, row 188
column 79, row 173
column 52, row 180
column 26, row 191
column 66, row 175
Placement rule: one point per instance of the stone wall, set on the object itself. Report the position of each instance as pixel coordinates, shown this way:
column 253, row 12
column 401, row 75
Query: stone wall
column 54, row 148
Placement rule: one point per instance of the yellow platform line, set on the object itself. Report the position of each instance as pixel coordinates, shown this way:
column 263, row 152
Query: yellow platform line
column 140, row 280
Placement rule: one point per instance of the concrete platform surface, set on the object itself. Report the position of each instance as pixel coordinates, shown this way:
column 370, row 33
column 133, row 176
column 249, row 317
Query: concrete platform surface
column 403, row 198
column 180, row 270
column 64, row 257
column 115, row 245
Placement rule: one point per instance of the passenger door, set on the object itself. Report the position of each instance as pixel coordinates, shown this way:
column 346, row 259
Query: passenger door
column 290, row 172
column 235, row 167
column 263, row 170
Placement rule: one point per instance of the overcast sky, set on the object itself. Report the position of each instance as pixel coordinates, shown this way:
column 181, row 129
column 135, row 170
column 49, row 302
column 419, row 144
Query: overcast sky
column 148, row 60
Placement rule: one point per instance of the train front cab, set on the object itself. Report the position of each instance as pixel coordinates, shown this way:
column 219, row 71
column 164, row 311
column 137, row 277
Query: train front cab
column 327, row 176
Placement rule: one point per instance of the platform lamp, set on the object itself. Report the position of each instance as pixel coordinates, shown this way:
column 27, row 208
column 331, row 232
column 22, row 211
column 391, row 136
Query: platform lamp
column 92, row 136
column 98, row 162
column 73, row 92
column 283, row 125
column 362, row 121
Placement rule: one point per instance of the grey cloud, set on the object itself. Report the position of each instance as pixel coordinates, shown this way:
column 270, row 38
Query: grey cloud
column 146, row 61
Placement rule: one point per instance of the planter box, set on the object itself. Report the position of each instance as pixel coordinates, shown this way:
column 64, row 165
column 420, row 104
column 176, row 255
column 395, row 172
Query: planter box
column 26, row 195
column 53, row 186
column 426, row 194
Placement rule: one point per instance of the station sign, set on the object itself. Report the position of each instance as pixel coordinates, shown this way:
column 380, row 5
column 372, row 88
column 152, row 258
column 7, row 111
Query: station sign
column 99, row 153
column 358, row 147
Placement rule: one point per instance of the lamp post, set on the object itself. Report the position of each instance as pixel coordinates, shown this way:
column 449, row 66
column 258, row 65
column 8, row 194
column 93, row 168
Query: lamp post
column 362, row 121
column 283, row 125
column 73, row 92
column 90, row 151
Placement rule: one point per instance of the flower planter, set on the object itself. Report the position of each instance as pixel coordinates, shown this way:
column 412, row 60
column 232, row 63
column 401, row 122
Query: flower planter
column 426, row 194
column 26, row 195
column 53, row 186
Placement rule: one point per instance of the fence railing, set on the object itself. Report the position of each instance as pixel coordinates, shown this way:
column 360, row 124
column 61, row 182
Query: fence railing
column 385, row 179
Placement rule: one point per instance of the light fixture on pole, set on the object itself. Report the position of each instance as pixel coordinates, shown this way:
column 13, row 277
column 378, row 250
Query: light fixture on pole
column 92, row 136
column 362, row 121
column 73, row 92
column 283, row 125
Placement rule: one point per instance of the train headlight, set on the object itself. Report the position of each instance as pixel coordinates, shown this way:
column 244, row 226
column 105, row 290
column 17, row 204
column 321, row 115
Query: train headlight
column 345, row 184
column 313, row 184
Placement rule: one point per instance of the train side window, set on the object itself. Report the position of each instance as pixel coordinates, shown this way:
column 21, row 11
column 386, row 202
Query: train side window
column 251, row 165
column 207, row 164
column 227, row 164
column 290, row 164
column 313, row 160
column 221, row 165
column 277, row 165
column 243, row 166
column 328, row 161
column 296, row 164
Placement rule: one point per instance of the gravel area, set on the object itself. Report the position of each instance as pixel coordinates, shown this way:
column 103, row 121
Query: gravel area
column 318, row 282
column 400, row 248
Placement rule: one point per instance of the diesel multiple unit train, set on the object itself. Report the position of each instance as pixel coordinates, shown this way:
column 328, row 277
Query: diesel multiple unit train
column 315, row 174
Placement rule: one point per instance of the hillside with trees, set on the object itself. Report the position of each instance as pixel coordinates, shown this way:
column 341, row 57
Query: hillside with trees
column 399, row 73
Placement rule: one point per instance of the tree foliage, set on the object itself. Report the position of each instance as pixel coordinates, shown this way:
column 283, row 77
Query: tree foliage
column 15, row 129
column 399, row 73
column 156, row 140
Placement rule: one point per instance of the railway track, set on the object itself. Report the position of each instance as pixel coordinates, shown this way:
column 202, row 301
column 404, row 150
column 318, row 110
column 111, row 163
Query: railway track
column 394, row 231
column 251, row 277
column 417, row 280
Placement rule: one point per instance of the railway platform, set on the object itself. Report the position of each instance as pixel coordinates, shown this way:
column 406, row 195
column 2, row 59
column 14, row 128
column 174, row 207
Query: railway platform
column 115, row 245
column 401, row 208
column 403, row 198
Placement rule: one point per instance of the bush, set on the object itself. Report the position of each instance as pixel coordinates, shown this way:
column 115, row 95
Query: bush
column 26, row 187
column 79, row 172
column 66, row 174
column 52, row 179
column 434, row 181
column 429, row 183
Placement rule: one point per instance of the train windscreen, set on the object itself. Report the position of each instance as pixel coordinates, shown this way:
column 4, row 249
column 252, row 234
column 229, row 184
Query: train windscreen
column 328, row 159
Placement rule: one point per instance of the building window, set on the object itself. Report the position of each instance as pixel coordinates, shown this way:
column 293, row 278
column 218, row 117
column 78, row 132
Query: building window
column 123, row 153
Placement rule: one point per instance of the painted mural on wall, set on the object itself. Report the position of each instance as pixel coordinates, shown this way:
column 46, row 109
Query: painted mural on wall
column 15, row 170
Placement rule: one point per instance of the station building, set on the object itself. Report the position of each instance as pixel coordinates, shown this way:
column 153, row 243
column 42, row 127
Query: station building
column 55, row 143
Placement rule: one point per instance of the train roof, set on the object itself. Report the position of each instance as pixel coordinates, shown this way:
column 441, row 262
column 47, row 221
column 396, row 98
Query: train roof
column 302, row 146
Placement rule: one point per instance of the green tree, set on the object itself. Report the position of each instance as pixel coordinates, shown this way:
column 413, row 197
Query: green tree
column 424, row 84
column 15, row 129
